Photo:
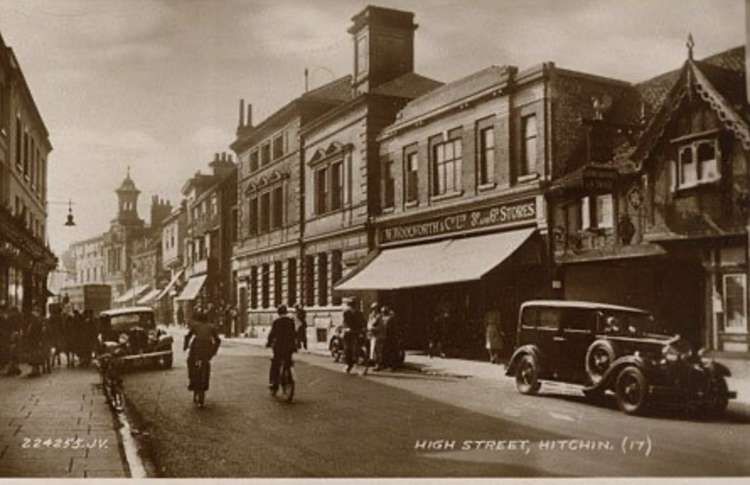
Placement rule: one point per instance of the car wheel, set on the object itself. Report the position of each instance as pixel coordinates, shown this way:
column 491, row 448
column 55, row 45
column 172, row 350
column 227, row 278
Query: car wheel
column 631, row 390
column 166, row 362
column 718, row 400
column 599, row 358
column 527, row 375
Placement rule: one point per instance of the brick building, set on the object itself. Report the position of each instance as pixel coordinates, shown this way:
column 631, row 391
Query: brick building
column 210, row 204
column 461, row 218
column 174, row 228
column 673, row 237
column 25, row 259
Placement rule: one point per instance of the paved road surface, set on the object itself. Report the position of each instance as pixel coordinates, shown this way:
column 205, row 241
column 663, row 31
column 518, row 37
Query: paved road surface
column 383, row 425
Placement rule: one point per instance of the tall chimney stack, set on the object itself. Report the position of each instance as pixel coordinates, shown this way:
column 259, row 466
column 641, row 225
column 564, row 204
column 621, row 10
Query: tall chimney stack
column 250, row 114
column 242, row 114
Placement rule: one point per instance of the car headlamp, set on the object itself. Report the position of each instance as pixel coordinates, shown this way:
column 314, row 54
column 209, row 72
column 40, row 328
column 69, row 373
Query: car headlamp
column 670, row 354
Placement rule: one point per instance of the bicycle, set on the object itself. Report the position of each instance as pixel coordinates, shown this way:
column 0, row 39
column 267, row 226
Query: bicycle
column 109, row 369
column 285, row 380
column 203, row 370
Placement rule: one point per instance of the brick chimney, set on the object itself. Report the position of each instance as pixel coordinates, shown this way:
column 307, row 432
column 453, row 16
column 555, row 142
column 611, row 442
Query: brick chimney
column 383, row 46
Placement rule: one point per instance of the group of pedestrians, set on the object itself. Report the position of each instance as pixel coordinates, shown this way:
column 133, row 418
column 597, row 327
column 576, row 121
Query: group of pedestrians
column 378, row 337
column 39, row 342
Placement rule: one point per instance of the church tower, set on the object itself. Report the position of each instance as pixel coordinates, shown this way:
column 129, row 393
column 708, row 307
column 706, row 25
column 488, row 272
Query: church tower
column 127, row 202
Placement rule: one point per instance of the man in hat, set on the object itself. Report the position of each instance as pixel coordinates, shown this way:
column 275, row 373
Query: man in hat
column 283, row 340
column 376, row 334
column 354, row 324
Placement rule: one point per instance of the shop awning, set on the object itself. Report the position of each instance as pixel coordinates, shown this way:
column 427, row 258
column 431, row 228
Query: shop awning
column 192, row 288
column 131, row 294
column 169, row 286
column 149, row 297
column 451, row 261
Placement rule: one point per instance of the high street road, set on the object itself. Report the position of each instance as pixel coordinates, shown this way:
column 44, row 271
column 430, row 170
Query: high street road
column 397, row 424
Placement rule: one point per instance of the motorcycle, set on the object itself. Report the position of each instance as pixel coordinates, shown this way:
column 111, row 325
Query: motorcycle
column 336, row 347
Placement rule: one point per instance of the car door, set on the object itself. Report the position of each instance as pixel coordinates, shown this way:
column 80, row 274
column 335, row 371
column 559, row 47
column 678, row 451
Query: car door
column 575, row 336
column 547, row 333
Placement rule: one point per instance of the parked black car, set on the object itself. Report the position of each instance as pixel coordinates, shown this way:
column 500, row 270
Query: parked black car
column 613, row 348
column 134, row 328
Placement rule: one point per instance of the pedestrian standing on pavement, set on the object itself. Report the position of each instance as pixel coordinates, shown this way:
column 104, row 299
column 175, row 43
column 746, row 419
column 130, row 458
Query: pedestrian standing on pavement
column 56, row 333
column 46, row 346
column 437, row 332
column 376, row 334
column 4, row 336
column 180, row 314
column 34, row 344
column 353, row 327
column 493, row 335
column 283, row 340
column 69, row 336
column 392, row 345
column 301, row 326
column 15, row 324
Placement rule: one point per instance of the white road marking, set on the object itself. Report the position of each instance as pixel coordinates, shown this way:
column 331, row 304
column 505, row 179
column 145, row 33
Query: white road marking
column 562, row 417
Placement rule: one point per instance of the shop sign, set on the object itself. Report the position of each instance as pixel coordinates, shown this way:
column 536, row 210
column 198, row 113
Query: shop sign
column 493, row 216
column 596, row 180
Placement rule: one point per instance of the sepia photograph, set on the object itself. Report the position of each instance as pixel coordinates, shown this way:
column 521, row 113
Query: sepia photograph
column 374, row 239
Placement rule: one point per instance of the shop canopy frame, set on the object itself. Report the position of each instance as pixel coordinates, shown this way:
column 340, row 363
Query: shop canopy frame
column 450, row 261
column 169, row 286
column 132, row 293
column 192, row 288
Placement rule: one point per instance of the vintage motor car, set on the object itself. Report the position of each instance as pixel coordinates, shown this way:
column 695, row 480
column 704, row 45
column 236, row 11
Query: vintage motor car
column 134, row 329
column 614, row 348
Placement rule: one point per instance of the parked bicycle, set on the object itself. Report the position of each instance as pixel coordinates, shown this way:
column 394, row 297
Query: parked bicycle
column 110, row 365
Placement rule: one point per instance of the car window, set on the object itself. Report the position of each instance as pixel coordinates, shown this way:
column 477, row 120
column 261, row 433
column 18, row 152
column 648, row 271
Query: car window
column 121, row 323
column 549, row 318
column 578, row 319
column 529, row 317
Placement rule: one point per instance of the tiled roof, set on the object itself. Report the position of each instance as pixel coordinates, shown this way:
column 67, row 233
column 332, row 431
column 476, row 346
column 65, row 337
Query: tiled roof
column 655, row 90
column 455, row 91
column 336, row 90
column 410, row 85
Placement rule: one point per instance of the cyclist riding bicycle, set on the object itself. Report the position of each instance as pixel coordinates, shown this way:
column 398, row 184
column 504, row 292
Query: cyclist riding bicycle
column 282, row 339
column 203, row 341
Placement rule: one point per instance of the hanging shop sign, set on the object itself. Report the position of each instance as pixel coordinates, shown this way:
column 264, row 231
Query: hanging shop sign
column 493, row 216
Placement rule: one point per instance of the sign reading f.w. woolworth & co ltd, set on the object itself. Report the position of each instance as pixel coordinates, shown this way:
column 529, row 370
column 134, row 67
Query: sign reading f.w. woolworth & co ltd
column 495, row 215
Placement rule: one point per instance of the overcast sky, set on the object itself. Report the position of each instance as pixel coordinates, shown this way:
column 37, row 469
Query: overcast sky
column 155, row 84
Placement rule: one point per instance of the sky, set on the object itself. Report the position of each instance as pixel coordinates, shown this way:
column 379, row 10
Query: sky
column 154, row 85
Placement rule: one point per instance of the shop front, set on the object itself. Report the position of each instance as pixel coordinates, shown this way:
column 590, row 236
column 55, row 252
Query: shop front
column 490, row 258
column 24, row 265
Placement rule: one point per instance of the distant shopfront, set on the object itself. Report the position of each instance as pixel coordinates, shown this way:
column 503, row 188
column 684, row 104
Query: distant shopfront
column 468, row 262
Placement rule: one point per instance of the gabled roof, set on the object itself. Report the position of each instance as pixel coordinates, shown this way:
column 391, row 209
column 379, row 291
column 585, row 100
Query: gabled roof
column 723, row 89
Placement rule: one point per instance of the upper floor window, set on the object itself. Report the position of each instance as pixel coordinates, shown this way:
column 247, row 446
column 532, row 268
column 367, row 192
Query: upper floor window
column 363, row 55
column 254, row 160
column 411, row 177
column 265, row 154
column 265, row 212
column 252, row 217
column 389, row 183
column 597, row 212
column 337, row 185
column 19, row 142
column 697, row 163
column 278, row 147
column 486, row 156
column 214, row 205
column 321, row 190
column 447, row 164
column 529, row 155
column 277, row 217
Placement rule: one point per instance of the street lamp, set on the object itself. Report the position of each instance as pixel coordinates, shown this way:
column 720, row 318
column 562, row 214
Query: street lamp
column 69, row 222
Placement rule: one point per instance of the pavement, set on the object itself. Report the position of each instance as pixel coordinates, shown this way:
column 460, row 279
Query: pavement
column 453, row 367
column 58, row 425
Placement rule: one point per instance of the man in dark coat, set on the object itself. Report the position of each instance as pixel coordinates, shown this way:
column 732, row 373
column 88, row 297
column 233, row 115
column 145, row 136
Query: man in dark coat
column 15, row 325
column 34, row 343
column 354, row 325
column 301, row 326
column 283, row 340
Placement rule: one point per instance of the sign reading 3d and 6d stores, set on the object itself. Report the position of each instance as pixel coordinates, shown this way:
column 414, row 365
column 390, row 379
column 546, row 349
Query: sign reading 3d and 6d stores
column 497, row 215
